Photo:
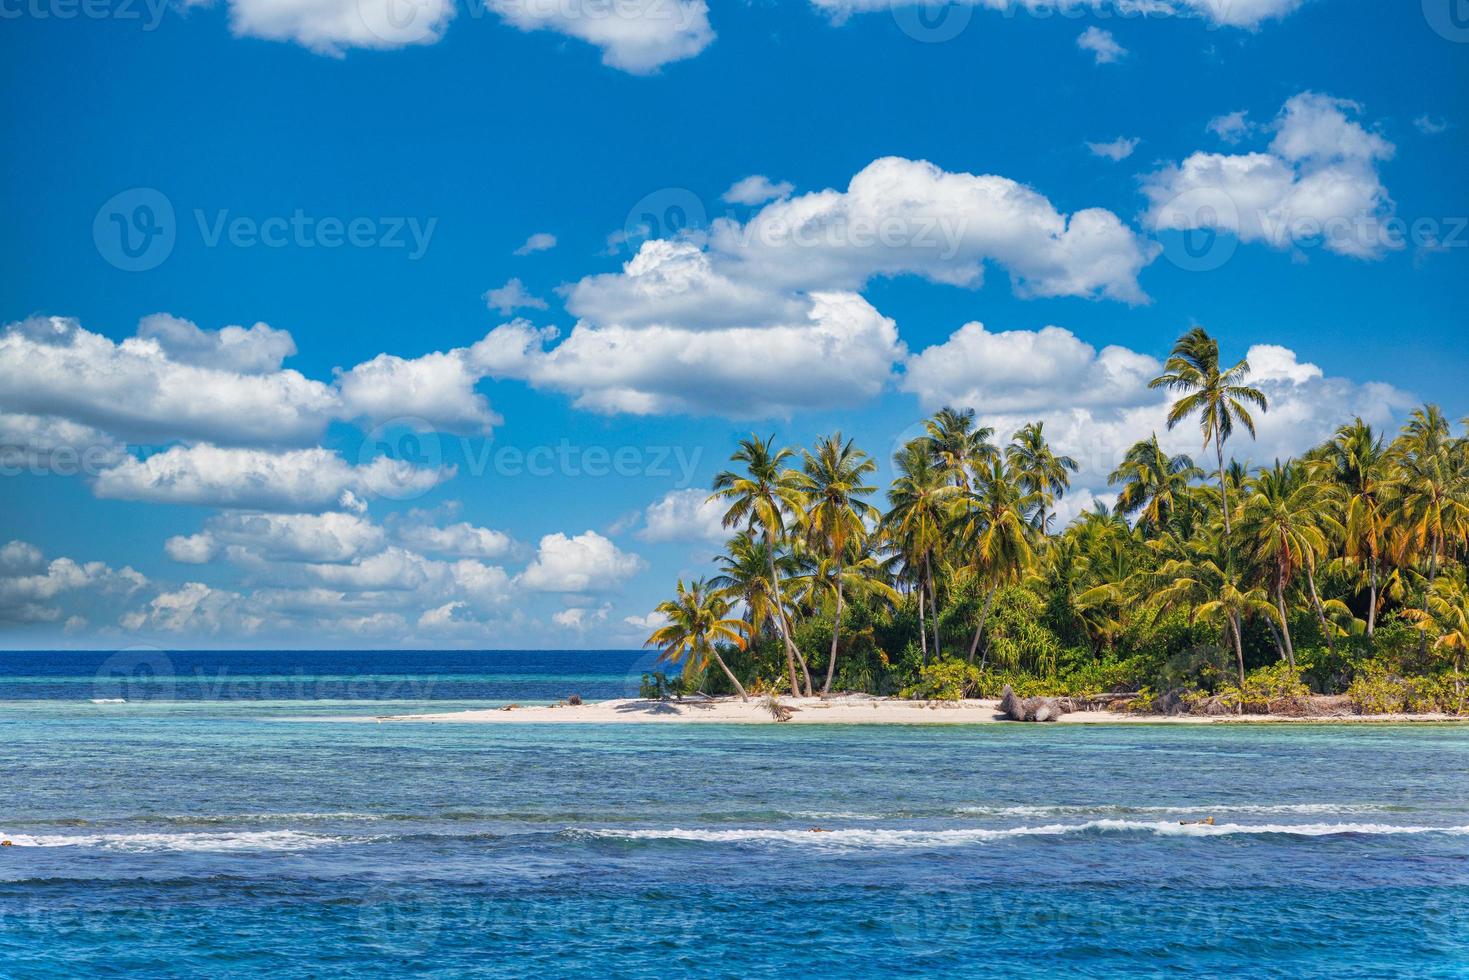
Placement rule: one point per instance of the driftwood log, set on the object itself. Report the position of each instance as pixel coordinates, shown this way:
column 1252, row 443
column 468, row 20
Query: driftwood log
column 1032, row 709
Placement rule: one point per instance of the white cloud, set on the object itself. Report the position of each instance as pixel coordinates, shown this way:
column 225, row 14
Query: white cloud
column 195, row 608
column 757, row 189
column 637, row 36
column 299, row 480
column 908, row 217
column 30, row 587
column 254, row 350
column 327, row 537
column 1119, row 149
column 580, row 618
column 1102, row 44
column 1096, row 404
column 434, row 391
column 1319, row 180
column 651, row 622
column 1232, row 127
column 587, row 562
column 684, row 515
column 1431, row 126
column 461, row 540
column 512, row 296
column 541, row 241
column 51, row 366
column 45, row 444
column 841, row 354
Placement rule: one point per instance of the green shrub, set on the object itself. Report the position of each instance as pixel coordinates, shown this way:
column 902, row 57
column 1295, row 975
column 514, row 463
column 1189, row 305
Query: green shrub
column 945, row 680
column 1277, row 690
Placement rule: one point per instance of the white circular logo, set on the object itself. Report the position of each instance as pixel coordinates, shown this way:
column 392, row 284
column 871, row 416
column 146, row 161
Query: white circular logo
column 135, row 230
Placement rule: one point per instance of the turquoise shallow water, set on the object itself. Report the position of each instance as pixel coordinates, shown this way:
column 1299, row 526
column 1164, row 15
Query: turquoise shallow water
column 233, row 835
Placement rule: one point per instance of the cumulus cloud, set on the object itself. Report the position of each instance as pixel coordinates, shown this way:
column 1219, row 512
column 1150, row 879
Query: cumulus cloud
column 1318, row 180
column 841, row 353
column 46, row 444
column 137, row 389
column 326, row 537
column 460, row 540
column 299, row 480
column 513, row 296
column 31, row 588
column 1096, row 403
column 684, row 515
column 434, row 391
column 541, row 241
column 1102, row 44
column 1119, row 149
column 1232, row 127
column 197, row 609
column 637, row 36
column 587, row 562
column 909, row 217
column 650, row 622
column 757, row 189
column 580, row 618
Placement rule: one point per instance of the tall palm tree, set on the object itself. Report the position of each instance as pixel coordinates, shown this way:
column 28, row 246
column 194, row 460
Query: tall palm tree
column 1154, row 484
column 833, row 483
column 697, row 624
column 763, row 498
column 1040, row 471
column 1357, row 464
column 918, row 504
column 744, row 577
column 858, row 575
column 1207, row 586
column 996, row 535
column 958, row 445
column 1220, row 398
column 1285, row 523
column 1446, row 619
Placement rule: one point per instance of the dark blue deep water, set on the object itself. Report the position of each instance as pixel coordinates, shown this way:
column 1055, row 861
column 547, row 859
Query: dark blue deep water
column 191, row 814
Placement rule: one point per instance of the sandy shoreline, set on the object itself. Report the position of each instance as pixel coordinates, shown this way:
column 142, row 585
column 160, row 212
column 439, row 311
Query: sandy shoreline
column 837, row 710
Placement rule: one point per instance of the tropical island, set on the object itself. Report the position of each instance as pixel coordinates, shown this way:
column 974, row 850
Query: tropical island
column 1332, row 585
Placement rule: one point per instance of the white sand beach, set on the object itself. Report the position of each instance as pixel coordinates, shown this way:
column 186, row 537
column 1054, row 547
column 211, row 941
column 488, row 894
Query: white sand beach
column 836, row 710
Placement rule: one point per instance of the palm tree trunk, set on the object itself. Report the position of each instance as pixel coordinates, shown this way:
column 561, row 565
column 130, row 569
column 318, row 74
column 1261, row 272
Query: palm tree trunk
column 979, row 630
column 1320, row 611
column 933, row 605
column 780, row 616
column 1239, row 650
column 836, row 629
column 922, row 629
column 732, row 678
column 1290, row 650
column 1275, row 636
column 1223, row 490
column 1372, row 600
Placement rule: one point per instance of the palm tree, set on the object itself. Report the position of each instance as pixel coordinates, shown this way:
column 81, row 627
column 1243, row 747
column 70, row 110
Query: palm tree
column 833, row 484
column 762, row 498
column 1040, row 471
column 1283, row 520
column 996, row 535
column 697, row 623
column 1446, row 619
column 857, row 575
column 744, row 577
column 1219, row 398
column 1357, row 464
column 958, row 447
column 918, row 506
column 1154, row 484
column 1429, row 492
column 1208, row 587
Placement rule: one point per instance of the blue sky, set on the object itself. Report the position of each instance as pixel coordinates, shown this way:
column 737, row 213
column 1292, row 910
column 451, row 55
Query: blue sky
column 353, row 472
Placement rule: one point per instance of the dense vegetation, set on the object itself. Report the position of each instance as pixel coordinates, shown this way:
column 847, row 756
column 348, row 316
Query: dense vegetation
column 1342, row 572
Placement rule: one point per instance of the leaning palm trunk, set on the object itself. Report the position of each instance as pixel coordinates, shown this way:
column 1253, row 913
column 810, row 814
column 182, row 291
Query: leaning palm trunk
column 836, row 629
column 1372, row 598
column 780, row 616
column 740, row 688
column 1239, row 651
column 1290, row 650
column 979, row 630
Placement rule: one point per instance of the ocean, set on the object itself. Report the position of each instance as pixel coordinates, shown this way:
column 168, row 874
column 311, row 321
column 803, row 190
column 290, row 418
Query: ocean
column 240, row 814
